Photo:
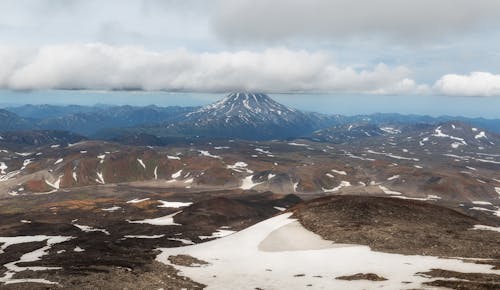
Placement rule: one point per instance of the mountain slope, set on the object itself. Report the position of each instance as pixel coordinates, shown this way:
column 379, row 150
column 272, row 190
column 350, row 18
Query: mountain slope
column 114, row 117
column 248, row 116
column 45, row 111
column 10, row 121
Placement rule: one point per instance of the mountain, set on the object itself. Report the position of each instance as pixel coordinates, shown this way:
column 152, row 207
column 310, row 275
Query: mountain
column 454, row 135
column 89, row 123
column 45, row 111
column 38, row 138
column 346, row 132
column 445, row 136
column 492, row 125
column 10, row 121
column 246, row 115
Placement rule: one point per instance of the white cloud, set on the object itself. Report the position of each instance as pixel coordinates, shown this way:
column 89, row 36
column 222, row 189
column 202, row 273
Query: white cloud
column 101, row 66
column 480, row 84
column 407, row 20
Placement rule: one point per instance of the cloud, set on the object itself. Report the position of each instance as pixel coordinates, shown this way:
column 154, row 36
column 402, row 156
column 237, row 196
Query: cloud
column 475, row 84
column 101, row 66
column 407, row 20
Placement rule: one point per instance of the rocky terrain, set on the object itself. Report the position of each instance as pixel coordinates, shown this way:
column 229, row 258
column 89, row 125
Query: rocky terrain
column 143, row 211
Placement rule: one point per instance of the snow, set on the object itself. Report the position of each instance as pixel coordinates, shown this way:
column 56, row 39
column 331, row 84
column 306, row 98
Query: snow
column 247, row 183
column 481, row 202
column 486, row 228
column 392, row 155
column 269, row 254
column 102, row 156
column 388, row 191
column 112, row 209
column 155, row 172
column 58, row 161
column 144, row 237
column 26, row 163
column 497, row 189
column 173, row 157
column 342, row 184
column 141, row 163
column 260, row 150
column 160, row 221
column 439, row 133
column 429, row 197
column 221, row 147
column 480, row 135
column 75, row 177
column 54, row 184
column 137, row 200
column 239, row 166
column 100, row 178
column 279, row 208
column 174, row 204
column 393, row 177
column 218, row 234
column 184, row 241
column 35, row 255
column 390, row 130
column 297, row 144
column 78, row 249
column 3, row 166
column 207, row 154
column 177, row 174
column 89, row 229
column 341, row 172
column 486, row 161
column 359, row 157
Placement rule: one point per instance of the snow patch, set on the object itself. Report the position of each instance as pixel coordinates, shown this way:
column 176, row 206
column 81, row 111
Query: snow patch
column 137, row 200
column 207, row 154
column 174, row 204
column 112, row 209
column 388, row 191
column 341, row 172
column 89, row 229
column 217, row 234
column 141, row 163
column 281, row 245
column 36, row 255
column 247, row 183
column 144, row 237
column 160, row 221
column 342, row 184
column 486, row 228
column 177, row 174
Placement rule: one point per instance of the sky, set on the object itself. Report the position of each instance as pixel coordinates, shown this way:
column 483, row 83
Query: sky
column 401, row 54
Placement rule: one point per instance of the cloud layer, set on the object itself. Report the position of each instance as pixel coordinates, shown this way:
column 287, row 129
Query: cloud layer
column 475, row 84
column 407, row 20
column 100, row 66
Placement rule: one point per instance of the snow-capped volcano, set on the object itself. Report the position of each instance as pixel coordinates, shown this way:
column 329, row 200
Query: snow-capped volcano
column 250, row 115
column 247, row 107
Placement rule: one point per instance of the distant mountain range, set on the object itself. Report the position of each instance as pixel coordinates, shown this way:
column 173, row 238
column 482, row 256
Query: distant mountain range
column 242, row 115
